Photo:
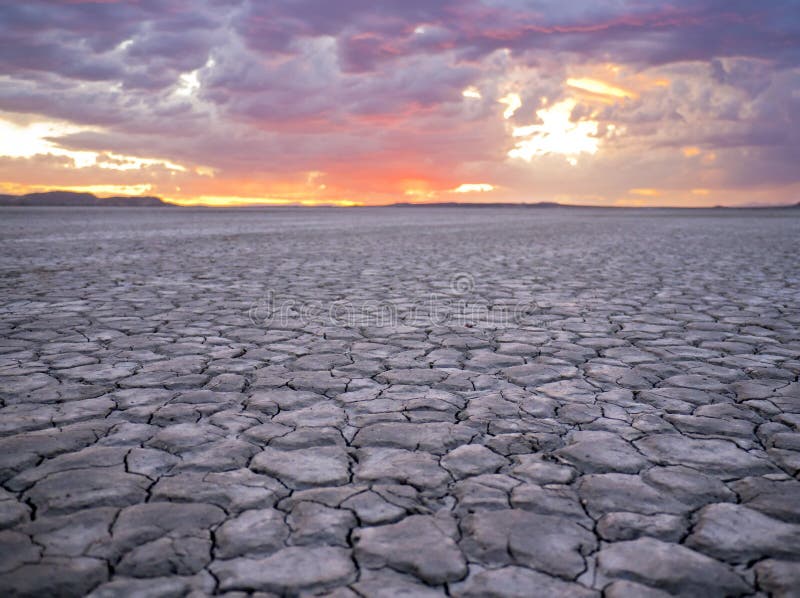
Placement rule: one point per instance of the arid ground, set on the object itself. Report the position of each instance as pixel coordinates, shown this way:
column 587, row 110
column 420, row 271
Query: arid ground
column 399, row 401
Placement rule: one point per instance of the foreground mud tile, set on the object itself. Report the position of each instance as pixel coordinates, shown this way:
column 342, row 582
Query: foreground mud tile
column 436, row 437
column 418, row 469
column 470, row 460
column 671, row 567
column 157, row 586
column 150, row 539
column 609, row 492
column 90, row 457
column 234, row 491
column 534, row 468
column 630, row 589
column 304, row 468
column 182, row 437
column 12, row 511
column 518, row 582
column 69, row 491
column 774, row 497
column 55, row 576
column 415, row 545
column 721, row 457
column 554, row 499
column 289, row 571
column 316, row 524
column 516, row 537
column 17, row 549
column 372, row 509
column 780, row 578
column 739, row 535
column 688, row 485
column 388, row 583
column 25, row 450
column 256, row 532
column 615, row 527
column 75, row 534
column 598, row 452
column 177, row 553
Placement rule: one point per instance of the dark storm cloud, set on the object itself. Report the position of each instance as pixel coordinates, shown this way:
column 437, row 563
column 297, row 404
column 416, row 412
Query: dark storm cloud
column 651, row 32
column 77, row 39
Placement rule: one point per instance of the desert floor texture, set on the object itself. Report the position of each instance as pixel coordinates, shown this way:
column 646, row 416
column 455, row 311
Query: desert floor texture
column 399, row 402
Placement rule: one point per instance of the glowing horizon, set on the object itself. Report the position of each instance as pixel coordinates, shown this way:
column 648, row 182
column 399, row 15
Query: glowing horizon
column 303, row 103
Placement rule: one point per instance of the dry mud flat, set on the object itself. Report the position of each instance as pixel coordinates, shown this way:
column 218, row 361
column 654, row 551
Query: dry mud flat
column 421, row 402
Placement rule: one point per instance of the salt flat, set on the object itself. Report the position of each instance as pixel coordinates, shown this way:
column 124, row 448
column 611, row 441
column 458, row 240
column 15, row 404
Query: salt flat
column 485, row 402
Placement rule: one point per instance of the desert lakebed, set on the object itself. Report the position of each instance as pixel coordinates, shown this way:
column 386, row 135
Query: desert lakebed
column 472, row 401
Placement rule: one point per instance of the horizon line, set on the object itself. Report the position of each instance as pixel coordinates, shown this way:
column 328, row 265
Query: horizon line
column 168, row 202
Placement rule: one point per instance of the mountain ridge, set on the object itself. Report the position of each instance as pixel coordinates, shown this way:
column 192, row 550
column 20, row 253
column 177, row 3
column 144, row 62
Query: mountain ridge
column 80, row 200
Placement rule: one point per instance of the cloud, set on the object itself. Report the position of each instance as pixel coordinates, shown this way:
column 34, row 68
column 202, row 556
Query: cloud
column 473, row 188
column 387, row 97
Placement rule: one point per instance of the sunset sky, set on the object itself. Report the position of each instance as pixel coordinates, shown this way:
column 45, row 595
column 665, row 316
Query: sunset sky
column 613, row 102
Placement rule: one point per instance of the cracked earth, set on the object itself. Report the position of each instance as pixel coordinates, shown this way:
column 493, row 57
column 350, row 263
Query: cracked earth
column 632, row 429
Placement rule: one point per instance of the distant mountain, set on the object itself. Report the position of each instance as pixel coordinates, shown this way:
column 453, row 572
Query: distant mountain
column 755, row 206
column 80, row 200
column 553, row 204
column 71, row 199
column 458, row 204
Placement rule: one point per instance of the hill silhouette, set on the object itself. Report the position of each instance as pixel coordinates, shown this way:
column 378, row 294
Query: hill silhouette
column 72, row 199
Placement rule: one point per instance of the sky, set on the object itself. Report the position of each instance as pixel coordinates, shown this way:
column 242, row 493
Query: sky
column 367, row 102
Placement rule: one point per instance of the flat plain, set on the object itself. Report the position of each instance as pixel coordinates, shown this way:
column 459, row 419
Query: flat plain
column 399, row 401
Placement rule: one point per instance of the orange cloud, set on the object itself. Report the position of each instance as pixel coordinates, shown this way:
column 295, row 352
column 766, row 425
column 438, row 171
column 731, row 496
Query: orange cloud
column 646, row 192
column 599, row 88
column 473, row 188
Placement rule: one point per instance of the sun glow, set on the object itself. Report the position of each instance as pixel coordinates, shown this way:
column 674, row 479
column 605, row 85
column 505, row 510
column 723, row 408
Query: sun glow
column 188, row 84
column 26, row 141
column 240, row 201
column 512, row 102
column 600, row 88
column 646, row 192
column 473, row 188
column 114, row 161
column 36, row 138
column 557, row 134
